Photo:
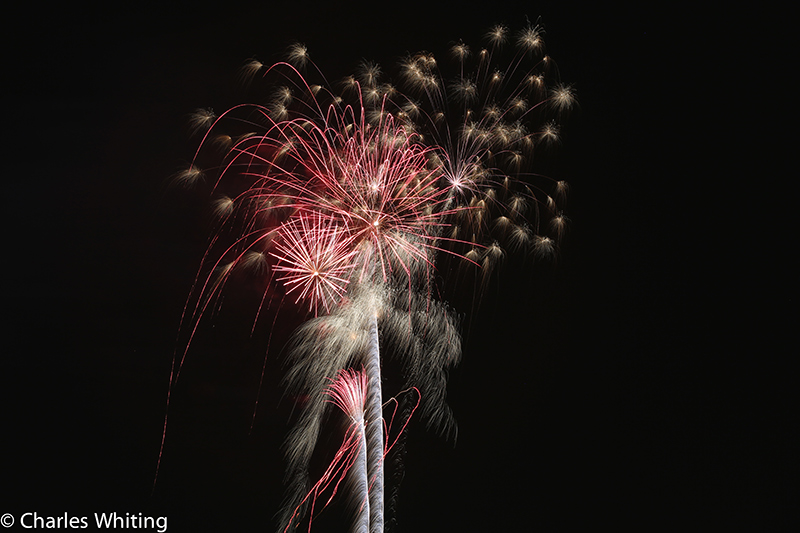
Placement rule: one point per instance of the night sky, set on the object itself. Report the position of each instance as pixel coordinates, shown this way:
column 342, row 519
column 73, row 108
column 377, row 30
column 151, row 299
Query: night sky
column 607, row 390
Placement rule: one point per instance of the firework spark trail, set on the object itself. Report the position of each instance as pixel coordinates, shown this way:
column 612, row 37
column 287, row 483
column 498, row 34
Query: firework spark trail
column 348, row 392
column 375, row 450
column 352, row 391
column 347, row 206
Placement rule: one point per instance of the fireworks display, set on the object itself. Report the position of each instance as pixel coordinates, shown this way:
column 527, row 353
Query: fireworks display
column 409, row 208
column 351, row 200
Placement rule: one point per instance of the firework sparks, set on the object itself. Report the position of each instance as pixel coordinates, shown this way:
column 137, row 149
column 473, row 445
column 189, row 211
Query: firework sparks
column 348, row 392
column 315, row 260
column 348, row 207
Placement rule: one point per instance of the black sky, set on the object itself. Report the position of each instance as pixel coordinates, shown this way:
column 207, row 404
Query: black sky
column 601, row 392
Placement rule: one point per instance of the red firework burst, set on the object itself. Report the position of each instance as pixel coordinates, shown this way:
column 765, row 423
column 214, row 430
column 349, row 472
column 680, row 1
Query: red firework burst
column 315, row 259
column 374, row 182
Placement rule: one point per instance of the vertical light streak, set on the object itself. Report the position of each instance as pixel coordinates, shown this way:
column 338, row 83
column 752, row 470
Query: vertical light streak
column 375, row 448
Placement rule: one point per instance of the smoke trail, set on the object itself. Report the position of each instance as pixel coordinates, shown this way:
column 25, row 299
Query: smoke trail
column 375, row 446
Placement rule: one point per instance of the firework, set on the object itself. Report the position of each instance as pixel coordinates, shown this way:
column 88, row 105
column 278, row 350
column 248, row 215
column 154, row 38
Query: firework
column 314, row 260
column 348, row 393
column 350, row 202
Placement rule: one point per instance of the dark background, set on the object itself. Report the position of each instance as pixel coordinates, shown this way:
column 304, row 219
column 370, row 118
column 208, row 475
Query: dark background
column 623, row 388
